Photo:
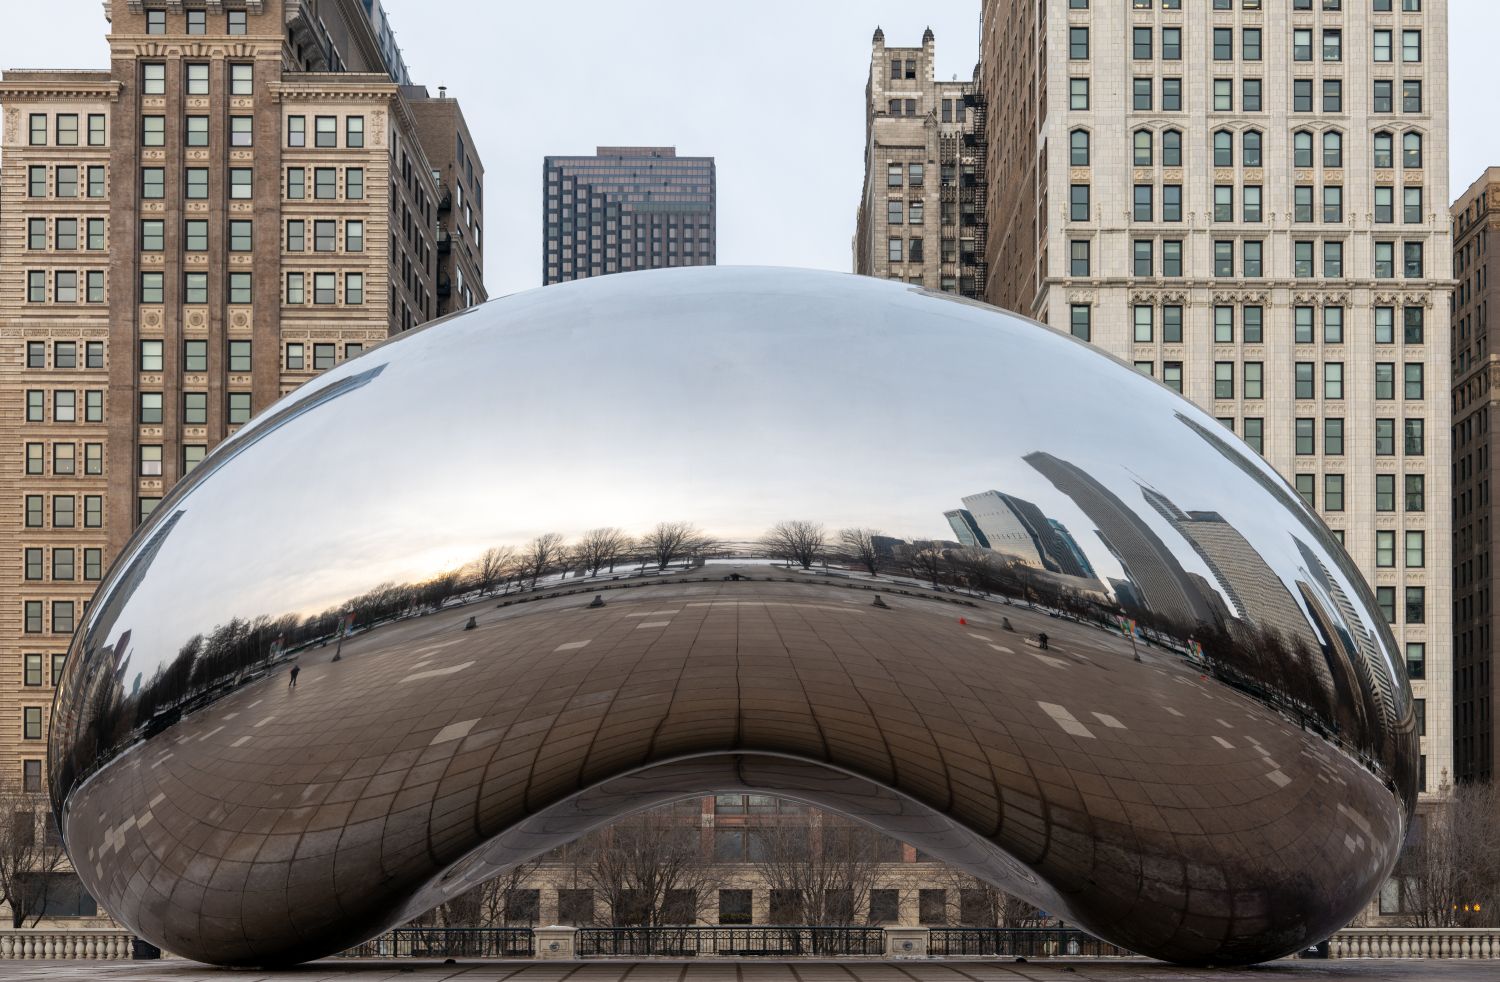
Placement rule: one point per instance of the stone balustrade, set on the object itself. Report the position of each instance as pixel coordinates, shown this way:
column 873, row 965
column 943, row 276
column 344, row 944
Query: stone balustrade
column 1415, row 942
column 46, row 943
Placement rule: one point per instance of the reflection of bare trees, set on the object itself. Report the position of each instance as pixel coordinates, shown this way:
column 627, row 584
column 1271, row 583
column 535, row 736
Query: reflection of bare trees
column 795, row 541
column 649, row 870
column 600, row 548
column 820, row 871
column 976, row 903
column 670, row 541
column 924, row 561
column 540, row 556
column 29, row 856
column 492, row 567
column 857, row 547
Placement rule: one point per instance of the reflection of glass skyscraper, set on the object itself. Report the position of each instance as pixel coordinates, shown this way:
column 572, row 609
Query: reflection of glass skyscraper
column 1006, row 527
column 965, row 528
column 1072, row 549
column 1252, row 586
column 1159, row 578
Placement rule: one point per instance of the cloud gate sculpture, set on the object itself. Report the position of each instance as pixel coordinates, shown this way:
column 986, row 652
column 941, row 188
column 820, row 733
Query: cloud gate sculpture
column 1116, row 666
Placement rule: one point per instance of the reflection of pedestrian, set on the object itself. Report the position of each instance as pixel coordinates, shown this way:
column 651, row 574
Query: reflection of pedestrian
column 1043, row 639
column 293, row 683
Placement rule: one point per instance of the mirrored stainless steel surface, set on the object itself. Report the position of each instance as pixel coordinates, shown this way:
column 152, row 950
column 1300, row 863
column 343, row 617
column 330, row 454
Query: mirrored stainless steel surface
column 1116, row 665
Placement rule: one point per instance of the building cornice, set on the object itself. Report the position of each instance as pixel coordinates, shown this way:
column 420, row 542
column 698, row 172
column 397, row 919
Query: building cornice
column 61, row 89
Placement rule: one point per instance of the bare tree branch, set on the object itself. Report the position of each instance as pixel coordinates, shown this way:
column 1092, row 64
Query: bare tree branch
column 492, row 567
column 600, row 548
column 29, row 856
column 796, row 542
column 857, row 547
column 669, row 541
column 541, row 555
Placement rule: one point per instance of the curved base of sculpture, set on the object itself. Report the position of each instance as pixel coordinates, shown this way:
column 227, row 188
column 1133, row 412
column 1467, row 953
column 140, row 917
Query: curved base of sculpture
column 244, row 781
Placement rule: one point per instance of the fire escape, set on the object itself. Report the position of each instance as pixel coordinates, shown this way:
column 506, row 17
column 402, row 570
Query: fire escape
column 973, row 200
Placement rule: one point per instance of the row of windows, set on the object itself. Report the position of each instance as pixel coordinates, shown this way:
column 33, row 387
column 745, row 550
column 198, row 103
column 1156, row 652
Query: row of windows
column 64, row 129
column 1414, row 500
column 196, row 22
column 1251, row 95
column 67, row 234
column 68, row 286
column 64, row 181
column 34, row 666
column 1379, row 6
column 65, row 566
column 65, row 458
column 64, row 406
column 64, row 511
column 1144, row 141
column 325, row 235
column 325, row 131
column 1304, row 375
column 1252, row 258
column 1142, row 48
column 912, row 174
column 195, row 78
column 1304, row 319
column 242, row 183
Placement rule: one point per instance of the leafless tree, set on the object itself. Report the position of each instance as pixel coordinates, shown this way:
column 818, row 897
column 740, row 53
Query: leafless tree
column 1449, row 875
column 492, row 567
column 669, row 541
column 600, row 548
column 796, row 541
column 541, row 555
column 820, row 871
column 924, row 561
column 975, row 903
column 857, row 547
column 29, row 855
column 650, row 869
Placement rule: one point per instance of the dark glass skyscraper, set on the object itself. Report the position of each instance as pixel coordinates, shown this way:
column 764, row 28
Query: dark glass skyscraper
column 627, row 208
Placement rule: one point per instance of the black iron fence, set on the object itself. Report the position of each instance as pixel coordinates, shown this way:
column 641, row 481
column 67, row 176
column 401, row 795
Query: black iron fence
column 1021, row 942
column 728, row 942
column 449, row 942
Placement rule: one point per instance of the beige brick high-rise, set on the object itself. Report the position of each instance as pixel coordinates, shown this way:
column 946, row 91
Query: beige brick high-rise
column 1246, row 199
column 921, row 211
column 245, row 197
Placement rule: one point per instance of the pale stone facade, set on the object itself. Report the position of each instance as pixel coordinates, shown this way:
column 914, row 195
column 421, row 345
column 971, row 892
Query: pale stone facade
column 921, row 213
column 1246, row 200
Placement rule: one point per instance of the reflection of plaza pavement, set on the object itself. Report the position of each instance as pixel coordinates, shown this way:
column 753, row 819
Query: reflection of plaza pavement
column 759, row 971
column 1167, row 809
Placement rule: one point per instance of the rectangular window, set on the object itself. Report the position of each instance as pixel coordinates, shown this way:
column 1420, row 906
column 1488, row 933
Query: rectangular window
column 325, row 183
column 63, row 511
column 1333, row 95
column 1223, row 380
column 1411, row 46
column 1250, row 44
column 195, row 288
column 150, row 408
column 239, row 407
column 1143, row 249
column 1079, row 320
column 1333, row 436
column 1333, row 259
column 153, row 183
column 241, row 235
column 1307, row 488
column 1078, row 203
column 1385, row 380
column 1144, row 323
column 239, row 356
column 1078, row 257
column 195, row 235
column 1416, row 609
column 1413, row 380
column 1078, row 43
column 197, row 184
column 197, row 22
column 36, row 182
column 195, row 356
column 67, row 129
column 1382, row 100
column 1254, row 380
column 354, row 285
column 326, row 131
column 241, row 131
column 296, row 131
column 151, row 287
column 1333, row 380
column 197, row 79
column 296, row 183
column 192, row 456
column 324, row 288
column 1412, row 325
column 354, row 131
column 1302, row 98
column 93, row 511
column 236, row 25
column 241, row 183
column 1302, row 259
column 93, row 406
column 1171, row 257
column 93, row 569
column 37, row 136
column 1223, row 257
column 31, row 726
column 1171, row 202
column 1171, row 95
column 96, row 181
column 1411, row 96
column 240, row 288
column 354, row 183
column 296, row 292
column 1223, row 95
column 1305, row 436
column 1252, row 252
column 153, row 131
column 151, row 356
column 241, row 79
column 153, row 78
column 1223, row 325
column 195, row 408
column 1333, row 492
column 1385, row 549
column 1416, row 493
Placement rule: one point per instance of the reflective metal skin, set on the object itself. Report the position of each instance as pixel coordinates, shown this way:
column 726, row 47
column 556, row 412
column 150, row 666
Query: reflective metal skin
column 1226, row 785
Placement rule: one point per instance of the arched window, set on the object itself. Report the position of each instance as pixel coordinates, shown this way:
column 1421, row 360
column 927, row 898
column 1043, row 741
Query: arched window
column 1078, row 148
column 1223, row 148
column 1171, row 148
column 1333, row 149
column 1143, row 148
column 1250, row 148
column 1384, row 151
column 1302, row 152
column 1411, row 150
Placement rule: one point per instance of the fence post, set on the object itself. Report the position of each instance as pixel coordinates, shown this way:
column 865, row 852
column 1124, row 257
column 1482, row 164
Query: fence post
column 906, row 942
column 556, row 942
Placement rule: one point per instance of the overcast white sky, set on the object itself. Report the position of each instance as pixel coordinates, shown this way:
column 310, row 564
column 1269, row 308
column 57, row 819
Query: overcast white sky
column 773, row 89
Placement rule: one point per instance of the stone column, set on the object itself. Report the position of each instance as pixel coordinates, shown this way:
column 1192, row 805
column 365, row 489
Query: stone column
column 906, row 942
column 556, row 942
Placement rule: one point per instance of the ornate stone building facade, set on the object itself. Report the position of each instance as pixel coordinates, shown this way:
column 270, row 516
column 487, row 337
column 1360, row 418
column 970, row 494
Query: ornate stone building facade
column 1245, row 199
column 243, row 198
column 922, row 208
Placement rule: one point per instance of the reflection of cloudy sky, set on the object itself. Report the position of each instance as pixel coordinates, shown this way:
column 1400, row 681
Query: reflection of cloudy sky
column 730, row 398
